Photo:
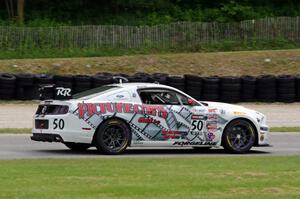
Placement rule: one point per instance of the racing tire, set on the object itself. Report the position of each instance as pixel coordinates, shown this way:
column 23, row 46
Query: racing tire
column 43, row 79
column 160, row 78
column 100, row 80
column 248, row 89
column 175, row 79
column 239, row 136
column 112, row 137
column 77, row 146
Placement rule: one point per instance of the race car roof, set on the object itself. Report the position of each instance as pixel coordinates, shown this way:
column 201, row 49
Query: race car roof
column 142, row 85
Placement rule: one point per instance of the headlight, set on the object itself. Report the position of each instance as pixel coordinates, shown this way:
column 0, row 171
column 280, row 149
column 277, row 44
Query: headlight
column 260, row 117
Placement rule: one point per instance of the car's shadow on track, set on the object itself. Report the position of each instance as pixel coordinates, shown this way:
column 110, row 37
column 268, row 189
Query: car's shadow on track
column 149, row 152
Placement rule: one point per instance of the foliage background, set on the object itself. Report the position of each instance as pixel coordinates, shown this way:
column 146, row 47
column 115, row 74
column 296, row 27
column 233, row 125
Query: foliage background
column 145, row 12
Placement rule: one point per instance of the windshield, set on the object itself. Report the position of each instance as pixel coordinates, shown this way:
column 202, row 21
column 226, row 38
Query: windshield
column 94, row 92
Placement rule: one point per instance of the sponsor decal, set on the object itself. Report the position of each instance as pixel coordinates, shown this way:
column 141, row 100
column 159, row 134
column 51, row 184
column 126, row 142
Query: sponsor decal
column 212, row 125
column 103, row 108
column 120, row 96
column 187, row 143
column 171, row 134
column 210, row 136
column 238, row 113
column 61, row 91
column 148, row 120
column 212, row 110
column 212, row 117
column 194, row 110
column 222, row 111
column 198, row 117
column 213, row 130
column 137, row 142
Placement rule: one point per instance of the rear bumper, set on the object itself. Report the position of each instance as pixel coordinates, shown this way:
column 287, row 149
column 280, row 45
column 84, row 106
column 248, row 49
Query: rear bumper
column 45, row 137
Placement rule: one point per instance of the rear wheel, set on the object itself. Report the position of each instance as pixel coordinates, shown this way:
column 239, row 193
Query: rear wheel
column 238, row 136
column 112, row 137
column 77, row 146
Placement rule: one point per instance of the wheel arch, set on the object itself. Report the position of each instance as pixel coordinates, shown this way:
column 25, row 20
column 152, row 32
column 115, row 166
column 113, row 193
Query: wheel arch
column 245, row 119
column 118, row 118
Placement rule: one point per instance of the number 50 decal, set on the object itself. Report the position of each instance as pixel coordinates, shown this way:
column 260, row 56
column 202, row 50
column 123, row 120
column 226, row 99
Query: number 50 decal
column 58, row 124
column 197, row 125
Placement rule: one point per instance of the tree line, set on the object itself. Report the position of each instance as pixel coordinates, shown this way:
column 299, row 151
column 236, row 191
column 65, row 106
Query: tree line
column 139, row 12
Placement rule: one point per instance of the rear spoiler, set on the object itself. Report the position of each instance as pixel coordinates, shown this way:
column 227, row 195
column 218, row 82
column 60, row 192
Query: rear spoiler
column 51, row 91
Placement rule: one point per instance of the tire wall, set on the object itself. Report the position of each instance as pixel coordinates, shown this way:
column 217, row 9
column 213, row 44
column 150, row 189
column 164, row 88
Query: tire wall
column 265, row 88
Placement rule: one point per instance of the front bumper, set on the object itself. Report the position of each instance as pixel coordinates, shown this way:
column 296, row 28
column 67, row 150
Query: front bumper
column 45, row 137
column 263, row 136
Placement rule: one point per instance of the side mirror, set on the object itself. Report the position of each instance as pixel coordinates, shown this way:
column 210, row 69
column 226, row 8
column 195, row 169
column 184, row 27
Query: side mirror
column 191, row 102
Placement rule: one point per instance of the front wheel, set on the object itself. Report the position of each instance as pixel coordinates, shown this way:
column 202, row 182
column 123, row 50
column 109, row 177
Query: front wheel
column 112, row 137
column 238, row 136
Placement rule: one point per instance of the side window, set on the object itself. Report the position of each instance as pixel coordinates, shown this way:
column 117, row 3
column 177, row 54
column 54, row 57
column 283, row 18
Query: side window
column 159, row 97
column 183, row 99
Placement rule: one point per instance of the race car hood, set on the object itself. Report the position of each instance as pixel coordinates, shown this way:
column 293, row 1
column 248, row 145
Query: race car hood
column 235, row 109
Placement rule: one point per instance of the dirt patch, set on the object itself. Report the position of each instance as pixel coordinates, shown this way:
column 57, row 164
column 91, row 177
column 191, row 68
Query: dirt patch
column 220, row 63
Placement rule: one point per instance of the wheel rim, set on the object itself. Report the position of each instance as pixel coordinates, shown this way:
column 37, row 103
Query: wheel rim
column 240, row 136
column 114, row 137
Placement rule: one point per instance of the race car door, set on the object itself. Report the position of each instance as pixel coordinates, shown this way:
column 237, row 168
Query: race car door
column 184, row 120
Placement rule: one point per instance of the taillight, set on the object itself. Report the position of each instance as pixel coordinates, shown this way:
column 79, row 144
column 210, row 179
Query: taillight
column 52, row 110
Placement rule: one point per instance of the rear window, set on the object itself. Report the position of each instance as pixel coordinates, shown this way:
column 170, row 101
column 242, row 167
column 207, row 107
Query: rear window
column 94, row 92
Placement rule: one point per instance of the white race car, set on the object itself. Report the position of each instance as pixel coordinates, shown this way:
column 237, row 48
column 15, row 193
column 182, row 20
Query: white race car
column 116, row 116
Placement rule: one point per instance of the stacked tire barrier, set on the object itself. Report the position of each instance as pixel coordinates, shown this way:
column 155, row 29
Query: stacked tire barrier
column 25, row 89
column 82, row 83
column 7, row 86
column 298, row 88
column 286, row 88
column 160, row 78
column 193, row 86
column 176, row 82
column 230, row 89
column 210, row 90
column 265, row 88
column 101, row 80
column 248, row 89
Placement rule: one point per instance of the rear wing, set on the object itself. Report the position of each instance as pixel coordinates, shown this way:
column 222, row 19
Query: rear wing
column 51, row 91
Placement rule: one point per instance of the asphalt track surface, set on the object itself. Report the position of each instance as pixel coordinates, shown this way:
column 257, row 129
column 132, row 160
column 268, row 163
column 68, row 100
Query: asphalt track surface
column 278, row 114
column 21, row 147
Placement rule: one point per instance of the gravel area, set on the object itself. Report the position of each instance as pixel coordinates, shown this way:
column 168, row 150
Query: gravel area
column 278, row 114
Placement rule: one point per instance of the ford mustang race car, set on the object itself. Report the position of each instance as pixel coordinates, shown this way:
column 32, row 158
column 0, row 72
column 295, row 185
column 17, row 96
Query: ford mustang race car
column 113, row 117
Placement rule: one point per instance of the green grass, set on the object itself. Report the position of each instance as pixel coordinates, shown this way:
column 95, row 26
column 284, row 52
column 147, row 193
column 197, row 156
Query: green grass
column 205, row 177
column 285, row 129
column 222, row 46
column 15, row 130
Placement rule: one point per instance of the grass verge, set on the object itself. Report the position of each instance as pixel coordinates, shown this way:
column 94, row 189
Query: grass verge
column 285, row 129
column 43, row 51
column 28, row 130
column 15, row 130
column 205, row 177
column 216, row 63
